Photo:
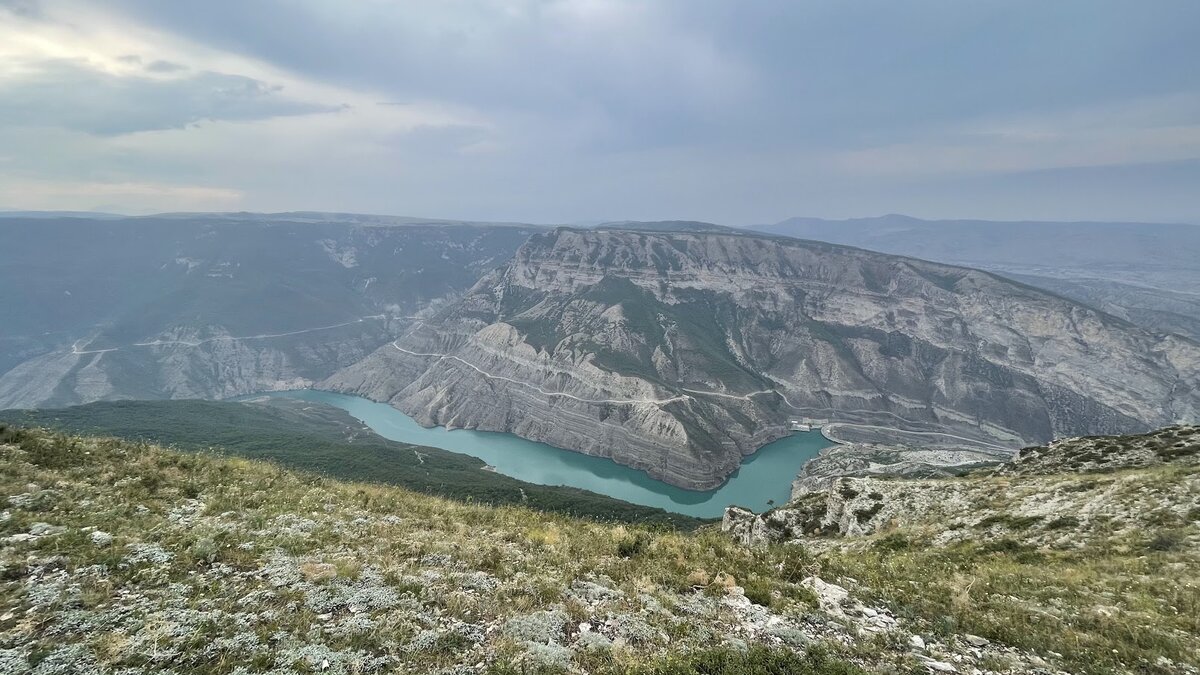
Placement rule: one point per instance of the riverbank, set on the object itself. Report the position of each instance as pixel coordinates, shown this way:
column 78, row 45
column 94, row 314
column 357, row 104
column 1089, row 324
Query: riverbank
column 762, row 480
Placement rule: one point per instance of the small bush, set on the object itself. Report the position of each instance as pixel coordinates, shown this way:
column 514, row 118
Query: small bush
column 758, row 592
column 1167, row 540
column 1063, row 523
column 893, row 543
column 1168, row 454
column 863, row 515
column 1003, row 545
column 629, row 546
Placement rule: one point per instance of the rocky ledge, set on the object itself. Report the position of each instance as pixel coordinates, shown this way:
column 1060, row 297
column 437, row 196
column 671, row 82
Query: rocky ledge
column 1066, row 494
column 899, row 461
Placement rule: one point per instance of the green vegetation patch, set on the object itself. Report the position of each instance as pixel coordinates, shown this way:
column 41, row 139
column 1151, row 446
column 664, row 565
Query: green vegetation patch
column 327, row 441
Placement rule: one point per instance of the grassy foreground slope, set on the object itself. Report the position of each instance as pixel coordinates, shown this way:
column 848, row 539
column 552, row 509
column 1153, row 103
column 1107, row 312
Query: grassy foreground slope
column 326, row 440
column 119, row 556
column 1087, row 549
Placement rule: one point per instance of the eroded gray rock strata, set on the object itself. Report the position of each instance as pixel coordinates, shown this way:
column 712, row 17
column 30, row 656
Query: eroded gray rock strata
column 680, row 352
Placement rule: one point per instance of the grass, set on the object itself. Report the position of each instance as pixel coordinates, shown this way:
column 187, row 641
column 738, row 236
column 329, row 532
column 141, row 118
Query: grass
column 1102, row 609
column 304, row 550
column 255, row 565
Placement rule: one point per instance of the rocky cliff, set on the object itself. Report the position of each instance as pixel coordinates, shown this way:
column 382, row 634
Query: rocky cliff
column 678, row 352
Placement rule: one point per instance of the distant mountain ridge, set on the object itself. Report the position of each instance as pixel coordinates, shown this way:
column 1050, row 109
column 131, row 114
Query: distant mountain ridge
column 1145, row 272
column 209, row 307
column 331, row 217
column 676, row 347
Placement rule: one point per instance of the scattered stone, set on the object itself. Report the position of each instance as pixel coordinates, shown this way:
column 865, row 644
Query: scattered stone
column 829, row 595
column 917, row 642
column 45, row 529
column 976, row 641
column 101, row 538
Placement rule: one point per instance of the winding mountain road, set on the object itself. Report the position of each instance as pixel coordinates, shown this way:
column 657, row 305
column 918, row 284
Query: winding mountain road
column 654, row 401
column 490, row 376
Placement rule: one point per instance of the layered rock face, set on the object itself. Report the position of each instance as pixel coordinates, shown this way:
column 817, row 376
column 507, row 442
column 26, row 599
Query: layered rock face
column 680, row 352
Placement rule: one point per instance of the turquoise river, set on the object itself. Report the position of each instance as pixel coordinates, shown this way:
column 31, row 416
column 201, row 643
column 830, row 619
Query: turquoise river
column 764, row 477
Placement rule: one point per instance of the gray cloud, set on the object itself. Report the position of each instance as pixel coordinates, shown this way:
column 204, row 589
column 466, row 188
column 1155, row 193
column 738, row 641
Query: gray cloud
column 762, row 73
column 71, row 95
column 740, row 112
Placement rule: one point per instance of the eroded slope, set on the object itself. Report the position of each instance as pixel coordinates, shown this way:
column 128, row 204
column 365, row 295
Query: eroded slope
column 681, row 352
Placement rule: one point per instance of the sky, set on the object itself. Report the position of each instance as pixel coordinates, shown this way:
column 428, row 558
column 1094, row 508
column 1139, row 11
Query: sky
column 569, row 111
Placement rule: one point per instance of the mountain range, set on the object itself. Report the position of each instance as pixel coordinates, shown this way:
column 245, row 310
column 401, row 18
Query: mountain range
column 678, row 352
column 676, row 347
column 1144, row 272
column 212, row 306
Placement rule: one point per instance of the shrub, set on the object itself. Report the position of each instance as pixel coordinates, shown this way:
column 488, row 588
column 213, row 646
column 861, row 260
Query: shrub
column 629, row 546
column 1003, row 545
column 1166, row 540
column 1062, row 523
column 758, row 592
column 893, row 543
column 863, row 515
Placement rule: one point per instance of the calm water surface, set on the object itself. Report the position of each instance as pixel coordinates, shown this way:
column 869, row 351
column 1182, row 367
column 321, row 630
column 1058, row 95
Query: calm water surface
column 765, row 475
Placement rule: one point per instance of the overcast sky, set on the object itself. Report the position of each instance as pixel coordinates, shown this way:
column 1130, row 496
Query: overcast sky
column 736, row 112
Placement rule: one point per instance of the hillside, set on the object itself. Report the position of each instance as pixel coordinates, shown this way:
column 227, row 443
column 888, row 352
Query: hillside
column 328, row 441
column 679, row 352
column 212, row 306
column 120, row 555
column 1143, row 272
column 1100, row 536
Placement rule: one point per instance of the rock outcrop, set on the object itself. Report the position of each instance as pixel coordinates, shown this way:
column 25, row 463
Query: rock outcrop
column 1061, row 495
column 865, row 460
column 679, row 352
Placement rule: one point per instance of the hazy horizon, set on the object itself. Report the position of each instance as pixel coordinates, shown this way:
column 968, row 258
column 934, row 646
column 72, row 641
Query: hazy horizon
column 581, row 223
